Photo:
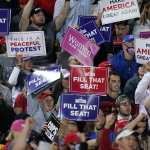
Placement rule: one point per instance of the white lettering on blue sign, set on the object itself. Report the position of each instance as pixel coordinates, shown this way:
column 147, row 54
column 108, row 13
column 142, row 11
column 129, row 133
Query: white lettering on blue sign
column 2, row 20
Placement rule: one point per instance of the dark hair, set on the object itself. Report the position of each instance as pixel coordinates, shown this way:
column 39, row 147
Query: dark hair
column 113, row 73
column 125, row 23
column 95, row 2
column 145, row 2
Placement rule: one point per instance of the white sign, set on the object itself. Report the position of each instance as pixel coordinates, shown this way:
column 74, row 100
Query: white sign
column 119, row 10
column 142, row 53
column 27, row 43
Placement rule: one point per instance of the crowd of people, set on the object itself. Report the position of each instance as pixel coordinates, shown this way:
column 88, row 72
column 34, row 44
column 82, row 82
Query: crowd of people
column 122, row 121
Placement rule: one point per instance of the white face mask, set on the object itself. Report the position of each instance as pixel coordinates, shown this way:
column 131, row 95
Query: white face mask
column 131, row 51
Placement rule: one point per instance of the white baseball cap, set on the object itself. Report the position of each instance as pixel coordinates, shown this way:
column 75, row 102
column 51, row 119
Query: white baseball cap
column 124, row 133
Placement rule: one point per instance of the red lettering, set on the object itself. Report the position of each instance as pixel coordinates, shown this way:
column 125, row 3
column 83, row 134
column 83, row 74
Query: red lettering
column 11, row 44
column 138, row 51
column 143, row 51
column 118, row 6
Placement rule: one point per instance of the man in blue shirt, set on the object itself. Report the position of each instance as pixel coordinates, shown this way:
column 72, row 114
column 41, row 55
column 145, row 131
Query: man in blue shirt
column 124, row 62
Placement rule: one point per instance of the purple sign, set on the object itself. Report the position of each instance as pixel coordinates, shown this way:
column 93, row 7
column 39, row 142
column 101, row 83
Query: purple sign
column 79, row 46
column 79, row 107
column 5, row 15
column 35, row 83
column 105, row 30
column 40, row 79
column 145, row 35
column 85, row 19
column 91, row 31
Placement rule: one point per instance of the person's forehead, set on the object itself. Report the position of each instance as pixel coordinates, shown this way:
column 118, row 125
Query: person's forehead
column 121, row 26
column 125, row 101
column 131, row 137
column 39, row 13
column 114, row 77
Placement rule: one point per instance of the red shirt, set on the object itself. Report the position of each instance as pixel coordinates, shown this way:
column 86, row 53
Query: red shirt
column 21, row 102
column 104, row 140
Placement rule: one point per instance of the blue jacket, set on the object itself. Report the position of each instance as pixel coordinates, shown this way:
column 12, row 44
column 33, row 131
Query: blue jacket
column 126, row 69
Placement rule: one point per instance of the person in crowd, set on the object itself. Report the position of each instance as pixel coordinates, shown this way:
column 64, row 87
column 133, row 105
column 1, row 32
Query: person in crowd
column 37, row 23
column 108, row 49
column 143, row 24
column 20, row 105
column 140, row 125
column 47, row 6
column 6, row 67
column 61, row 85
column 108, row 102
column 66, row 14
column 142, row 91
column 132, row 83
column 124, row 62
column 46, row 101
column 19, row 74
column 34, row 19
column 122, row 29
column 127, row 140
column 14, row 26
column 106, row 135
column 6, row 118
column 6, row 92
column 19, row 132
column 124, row 116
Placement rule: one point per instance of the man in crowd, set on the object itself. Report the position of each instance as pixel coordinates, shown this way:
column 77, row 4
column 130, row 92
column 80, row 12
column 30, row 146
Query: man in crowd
column 127, row 140
column 108, row 102
column 37, row 23
column 123, row 104
column 124, row 62
column 66, row 14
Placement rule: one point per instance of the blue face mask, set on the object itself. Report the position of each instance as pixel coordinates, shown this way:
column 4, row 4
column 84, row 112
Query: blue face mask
column 131, row 51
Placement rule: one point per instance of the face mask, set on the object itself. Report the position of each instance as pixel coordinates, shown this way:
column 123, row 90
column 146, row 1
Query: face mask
column 131, row 51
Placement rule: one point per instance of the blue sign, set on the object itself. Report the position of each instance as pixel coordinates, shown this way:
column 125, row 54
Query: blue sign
column 35, row 83
column 5, row 16
column 105, row 30
column 85, row 19
column 79, row 107
column 40, row 79
column 91, row 31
